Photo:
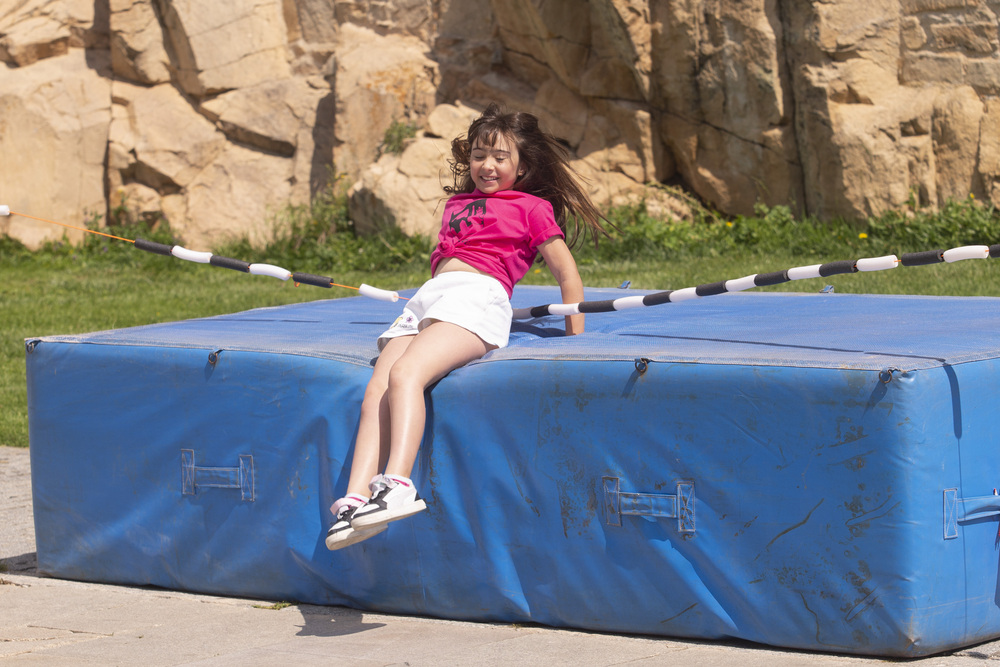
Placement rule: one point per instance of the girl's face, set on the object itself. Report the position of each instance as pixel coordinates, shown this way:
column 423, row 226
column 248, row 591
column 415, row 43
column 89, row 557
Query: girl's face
column 494, row 168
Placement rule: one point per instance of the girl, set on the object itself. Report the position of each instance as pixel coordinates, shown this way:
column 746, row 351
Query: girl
column 513, row 195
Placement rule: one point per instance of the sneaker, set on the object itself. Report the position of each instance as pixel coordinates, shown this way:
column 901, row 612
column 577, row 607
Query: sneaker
column 342, row 533
column 392, row 498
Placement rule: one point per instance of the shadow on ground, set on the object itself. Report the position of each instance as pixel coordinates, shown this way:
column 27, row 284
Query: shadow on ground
column 23, row 564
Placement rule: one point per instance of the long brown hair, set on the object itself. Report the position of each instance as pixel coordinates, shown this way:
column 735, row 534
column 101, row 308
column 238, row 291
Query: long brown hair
column 547, row 173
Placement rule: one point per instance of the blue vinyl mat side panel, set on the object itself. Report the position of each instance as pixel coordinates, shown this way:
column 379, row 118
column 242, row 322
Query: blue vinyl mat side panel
column 109, row 486
column 842, row 509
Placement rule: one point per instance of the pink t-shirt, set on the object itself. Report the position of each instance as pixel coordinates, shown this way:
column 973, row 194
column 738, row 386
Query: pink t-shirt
column 498, row 234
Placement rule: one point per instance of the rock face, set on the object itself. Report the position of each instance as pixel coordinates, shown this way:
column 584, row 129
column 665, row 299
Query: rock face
column 54, row 122
column 217, row 115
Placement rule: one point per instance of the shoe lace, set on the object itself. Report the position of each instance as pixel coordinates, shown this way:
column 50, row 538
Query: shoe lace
column 379, row 483
column 342, row 507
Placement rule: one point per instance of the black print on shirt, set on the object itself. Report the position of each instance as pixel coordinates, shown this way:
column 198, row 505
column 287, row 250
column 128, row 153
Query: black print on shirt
column 475, row 207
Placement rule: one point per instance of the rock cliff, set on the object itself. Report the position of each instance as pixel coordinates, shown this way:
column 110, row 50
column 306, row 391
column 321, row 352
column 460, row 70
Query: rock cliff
column 215, row 115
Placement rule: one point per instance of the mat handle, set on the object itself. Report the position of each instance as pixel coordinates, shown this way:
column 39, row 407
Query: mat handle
column 958, row 510
column 679, row 506
column 194, row 477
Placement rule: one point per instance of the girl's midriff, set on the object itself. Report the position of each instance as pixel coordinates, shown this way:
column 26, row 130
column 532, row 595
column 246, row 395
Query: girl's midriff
column 455, row 264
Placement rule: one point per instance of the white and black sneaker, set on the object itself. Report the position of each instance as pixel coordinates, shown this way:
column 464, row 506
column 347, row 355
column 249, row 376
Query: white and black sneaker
column 393, row 497
column 343, row 533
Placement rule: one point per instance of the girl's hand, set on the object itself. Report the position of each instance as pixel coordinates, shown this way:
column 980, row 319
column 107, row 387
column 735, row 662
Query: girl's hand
column 560, row 261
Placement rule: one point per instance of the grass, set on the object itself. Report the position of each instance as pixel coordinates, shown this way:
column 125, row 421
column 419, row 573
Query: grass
column 105, row 284
column 277, row 606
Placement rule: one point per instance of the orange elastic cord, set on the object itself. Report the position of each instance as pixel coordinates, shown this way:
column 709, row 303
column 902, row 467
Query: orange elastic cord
column 404, row 298
column 356, row 289
column 63, row 224
column 132, row 241
column 333, row 284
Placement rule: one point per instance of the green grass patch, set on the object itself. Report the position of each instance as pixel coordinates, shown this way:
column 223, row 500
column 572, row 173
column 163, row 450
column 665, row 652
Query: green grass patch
column 105, row 284
column 395, row 138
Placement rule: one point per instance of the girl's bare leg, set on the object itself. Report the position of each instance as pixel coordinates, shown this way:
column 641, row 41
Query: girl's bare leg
column 371, row 447
column 430, row 355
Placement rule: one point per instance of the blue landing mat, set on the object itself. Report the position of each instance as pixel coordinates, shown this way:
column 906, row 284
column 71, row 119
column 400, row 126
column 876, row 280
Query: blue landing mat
column 810, row 471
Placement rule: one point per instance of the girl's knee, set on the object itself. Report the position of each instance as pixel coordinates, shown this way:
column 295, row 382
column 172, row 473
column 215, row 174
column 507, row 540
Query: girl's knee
column 374, row 394
column 405, row 377
column 398, row 378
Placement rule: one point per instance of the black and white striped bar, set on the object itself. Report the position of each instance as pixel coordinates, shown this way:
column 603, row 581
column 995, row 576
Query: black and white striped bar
column 760, row 280
column 256, row 269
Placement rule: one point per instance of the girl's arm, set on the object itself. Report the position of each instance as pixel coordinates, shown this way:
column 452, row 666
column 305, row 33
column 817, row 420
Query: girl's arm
column 560, row 261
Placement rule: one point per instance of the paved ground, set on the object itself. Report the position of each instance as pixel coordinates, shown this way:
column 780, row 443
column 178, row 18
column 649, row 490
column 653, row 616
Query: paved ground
column 53, row 622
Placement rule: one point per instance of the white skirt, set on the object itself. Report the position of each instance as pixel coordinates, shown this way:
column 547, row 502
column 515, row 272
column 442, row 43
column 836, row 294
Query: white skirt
column 473, row 301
